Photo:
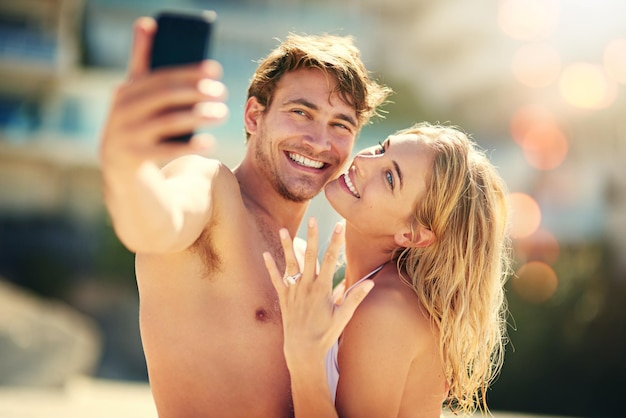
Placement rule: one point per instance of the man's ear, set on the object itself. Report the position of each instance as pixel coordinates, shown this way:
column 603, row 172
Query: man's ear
column 421, row 237
column 251, row 113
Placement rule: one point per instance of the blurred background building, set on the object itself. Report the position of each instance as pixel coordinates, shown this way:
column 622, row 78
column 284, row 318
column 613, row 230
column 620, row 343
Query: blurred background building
column 538, row 83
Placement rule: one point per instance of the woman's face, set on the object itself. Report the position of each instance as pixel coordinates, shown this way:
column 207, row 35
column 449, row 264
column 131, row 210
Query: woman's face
column 378, row 193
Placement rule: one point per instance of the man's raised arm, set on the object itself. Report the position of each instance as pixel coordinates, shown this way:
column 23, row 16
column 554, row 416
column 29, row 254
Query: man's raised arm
column 155, row 209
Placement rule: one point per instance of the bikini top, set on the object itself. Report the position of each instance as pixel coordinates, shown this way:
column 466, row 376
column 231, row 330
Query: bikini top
column 332, row 367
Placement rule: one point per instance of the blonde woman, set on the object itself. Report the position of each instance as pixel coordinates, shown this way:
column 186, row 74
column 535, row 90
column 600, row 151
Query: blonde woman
column 426, row 259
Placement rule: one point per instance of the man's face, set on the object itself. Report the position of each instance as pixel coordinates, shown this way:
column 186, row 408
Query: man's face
column 306, row 135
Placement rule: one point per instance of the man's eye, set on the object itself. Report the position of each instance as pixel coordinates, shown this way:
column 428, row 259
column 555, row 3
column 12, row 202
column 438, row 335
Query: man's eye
column 380, row 149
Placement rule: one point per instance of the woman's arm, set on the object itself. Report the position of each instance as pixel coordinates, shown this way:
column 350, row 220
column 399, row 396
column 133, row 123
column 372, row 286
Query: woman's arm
column 311, row 320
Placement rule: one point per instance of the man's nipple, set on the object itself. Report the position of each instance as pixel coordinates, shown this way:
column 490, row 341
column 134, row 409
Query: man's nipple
column 261, row 315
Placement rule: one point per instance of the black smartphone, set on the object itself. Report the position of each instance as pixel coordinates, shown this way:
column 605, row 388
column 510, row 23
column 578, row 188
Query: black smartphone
column 182, row 37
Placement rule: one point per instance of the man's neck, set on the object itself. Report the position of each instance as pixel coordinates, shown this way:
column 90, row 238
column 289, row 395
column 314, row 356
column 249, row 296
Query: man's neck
column 264, row 202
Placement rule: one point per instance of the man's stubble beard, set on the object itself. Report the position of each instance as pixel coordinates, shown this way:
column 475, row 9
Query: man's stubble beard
column 275, row 177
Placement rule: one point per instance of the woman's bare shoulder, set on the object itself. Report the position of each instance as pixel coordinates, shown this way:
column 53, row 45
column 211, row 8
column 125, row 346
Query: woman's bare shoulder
column 392, row 308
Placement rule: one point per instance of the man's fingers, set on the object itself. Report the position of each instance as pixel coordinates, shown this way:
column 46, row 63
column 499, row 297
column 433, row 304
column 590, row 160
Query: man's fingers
column 143, row 34
column 156, row 128
column 199, row 144
column 171, row 84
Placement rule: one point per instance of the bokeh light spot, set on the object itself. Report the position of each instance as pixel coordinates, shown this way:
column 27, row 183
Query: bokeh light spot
column 535, row 282
column 527, row 19
column 545, row 146
column 615, row 60
column 541, row 245
column 536, row 65
column 526, row 118
column 586, row 86
column 525, row 215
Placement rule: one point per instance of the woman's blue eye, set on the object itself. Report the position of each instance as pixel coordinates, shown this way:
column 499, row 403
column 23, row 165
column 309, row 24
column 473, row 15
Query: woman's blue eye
column 389, row 177
column 381, row 149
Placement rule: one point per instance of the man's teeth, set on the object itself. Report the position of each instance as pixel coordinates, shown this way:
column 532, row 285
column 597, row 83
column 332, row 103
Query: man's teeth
column 306, row 161
column 348, row 182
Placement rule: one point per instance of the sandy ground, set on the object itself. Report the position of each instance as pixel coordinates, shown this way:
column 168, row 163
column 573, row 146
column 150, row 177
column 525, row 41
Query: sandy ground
column 81, row 398
column 93, row 398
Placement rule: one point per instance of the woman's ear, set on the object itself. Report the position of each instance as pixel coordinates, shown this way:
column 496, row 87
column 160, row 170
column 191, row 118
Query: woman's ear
column 421, row 237
column 251, row 113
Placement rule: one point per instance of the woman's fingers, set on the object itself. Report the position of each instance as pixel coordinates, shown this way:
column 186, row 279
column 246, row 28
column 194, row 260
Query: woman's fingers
column 343, row 312
column 310, row 316
column 275, row 275
column 309, row 270
column 329, row 262
column 291, row 262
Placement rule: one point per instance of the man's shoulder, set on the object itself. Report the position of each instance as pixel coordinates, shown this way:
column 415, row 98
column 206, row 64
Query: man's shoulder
column 221, row 179
column 192, row 163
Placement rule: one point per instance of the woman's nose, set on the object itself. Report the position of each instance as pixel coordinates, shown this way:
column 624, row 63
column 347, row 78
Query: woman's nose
column 363, row 162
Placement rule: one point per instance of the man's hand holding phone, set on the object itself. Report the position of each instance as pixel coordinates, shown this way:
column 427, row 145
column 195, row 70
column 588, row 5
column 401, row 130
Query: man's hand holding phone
column 182, row 39
column 160, row 103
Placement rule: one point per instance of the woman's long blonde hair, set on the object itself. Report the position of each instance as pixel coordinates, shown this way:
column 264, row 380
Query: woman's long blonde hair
column 460, row 278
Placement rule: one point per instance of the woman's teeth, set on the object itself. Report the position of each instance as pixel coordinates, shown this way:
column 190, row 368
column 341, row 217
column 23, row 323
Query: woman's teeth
column 346, row 179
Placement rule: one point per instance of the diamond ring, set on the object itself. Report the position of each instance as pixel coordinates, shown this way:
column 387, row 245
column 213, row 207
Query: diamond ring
column 291, row 279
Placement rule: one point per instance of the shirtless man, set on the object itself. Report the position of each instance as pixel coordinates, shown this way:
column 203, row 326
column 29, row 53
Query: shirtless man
column 210, row 321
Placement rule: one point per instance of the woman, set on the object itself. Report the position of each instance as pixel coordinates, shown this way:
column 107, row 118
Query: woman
column 425, row 221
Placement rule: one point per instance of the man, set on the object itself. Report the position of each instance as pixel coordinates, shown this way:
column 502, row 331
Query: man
column 209, row 315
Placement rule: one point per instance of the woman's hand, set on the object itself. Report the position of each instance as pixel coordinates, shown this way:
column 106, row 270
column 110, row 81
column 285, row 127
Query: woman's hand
column 312, row 322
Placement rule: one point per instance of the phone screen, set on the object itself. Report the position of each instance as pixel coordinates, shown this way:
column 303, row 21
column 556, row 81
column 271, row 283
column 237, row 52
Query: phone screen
column 182, row 38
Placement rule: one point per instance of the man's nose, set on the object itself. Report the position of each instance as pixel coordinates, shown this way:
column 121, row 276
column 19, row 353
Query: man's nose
column 319, row 138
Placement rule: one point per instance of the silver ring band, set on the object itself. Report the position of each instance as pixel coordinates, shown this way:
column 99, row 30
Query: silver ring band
column 289, row 280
